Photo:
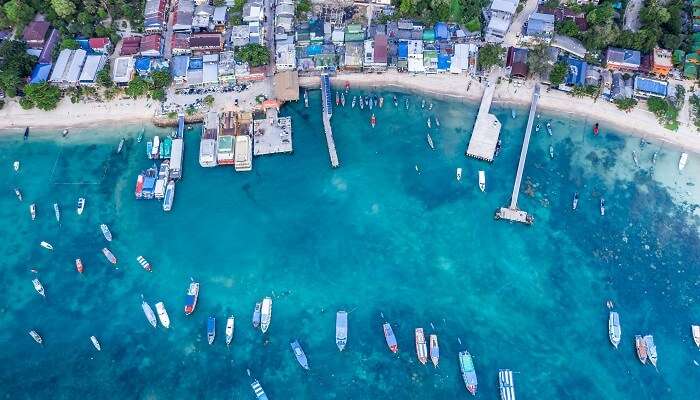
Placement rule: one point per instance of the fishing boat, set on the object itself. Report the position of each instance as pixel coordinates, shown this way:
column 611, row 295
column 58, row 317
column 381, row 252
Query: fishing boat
column 163, row 315
column 256, row 315
column 614, row 330
column 258, row 390
column 155, row 149
column 46, row 245
column 437, row 121
column 81, row 206
column 35, row 335
column 641, row 348
column 229, row 329
column 512, row 113
column 150, row 315
column 482, row 181
column 683, row 160
column 370, row 102
column 144, row 263
column 506, row 385
column 18, row 194
column 595, row 129
column 466, row 365
column 26, row 133
column 362, row 103
column 602, row 206
column 459, row 174
column 38, row 287
column 651, row 349
column 169, row 196
column 79, row 265
column 32, row 211
column 57, row 212
column 549, row 128
column 342, row 99
column 381, row 101
column 105, row 232
column 138, row 192
column 390, row 338
column 373, row 121
column 120, row 146
column 192, row 296
column 306, row 98
column 430, row 142
column 434, row 350
column 15, row 166
column 396, row 101
column 95, row 343
column 211, row 329
column 695, row 329
column 299, row 354
column 140, row 138
column 428, row 123
column 498, row 148
column 574, row 203
column 421, row 346
column 551, row 151
column 354, row 101
column 635, row 159
column 108, row 254
column 266, row 314
column 341, row 329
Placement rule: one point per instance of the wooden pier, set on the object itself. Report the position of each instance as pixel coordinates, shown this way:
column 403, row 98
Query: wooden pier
column 512, row 213
column 487, row 128
column 326, row 93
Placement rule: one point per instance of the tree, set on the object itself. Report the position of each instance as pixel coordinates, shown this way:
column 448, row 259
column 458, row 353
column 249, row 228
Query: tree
column 490, row 55
column 538, row 59
column 68, row 43
column 161, row 78
column 137, row 87
column 558, row 73
column 104, row 78
column 63, row 8
column 254, row 54
column 303, row 7
column 15, row 66
column 209, row 100
column 219, row 3
column 43, row 95
column 18, row 13
column 626, row 105
column 568, row 28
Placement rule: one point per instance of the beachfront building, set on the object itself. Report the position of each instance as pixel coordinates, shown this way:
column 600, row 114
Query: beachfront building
column 376, row 53
column 464, row 58
column 577, row 71
column 620, row 88
column 35, row 34
column 500, row 14
column 516, row 63
column 122, row 70
column 569, row 45
column 649, row 87
column 415, row 56
column 285, row 56
column 354, row 55
column 40, row 73
column 623, row 59
column 178, row 69
column 154, row 16
column 210, row 69
column 93, row 64
column 225, row 139
column 66, row 71
column 661, row 63
column 540, row 28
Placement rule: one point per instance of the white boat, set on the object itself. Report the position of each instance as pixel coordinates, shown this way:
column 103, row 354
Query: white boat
column 162, row 315
column 341, row 329
column 155, row 149
column 36, row 337
column 549, row 128
column 95, row 343
column 551, row 151
column 120, row 146
column 46, row 245
column 81, row 206
column 635, row 159
column 482, row 181
column 15, row 166
column 105, row 232
column 169, row 196
column 38, row 287
column 266, row 314
column 512, row 113
column 144, row 263
column 430, row 142
column 428, row 122
column 229, row 329
column 421, row 346
column 506, row 384
column 614, row 330
column 57, row 212
column 32, row 211
column 696, row 334
column 18, row 194
column 602, row 206
column 434, row 350
column 437, row 121
column 574, row 203
column 459, row 174
column 682, row 161
column 651, row 349
column 149, row 313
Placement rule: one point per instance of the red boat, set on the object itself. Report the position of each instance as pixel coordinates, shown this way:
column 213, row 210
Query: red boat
column 373, row 121
column 192, row 296
column 347, row 86
column 139, row 187
column 595, row 129
column 79, row 265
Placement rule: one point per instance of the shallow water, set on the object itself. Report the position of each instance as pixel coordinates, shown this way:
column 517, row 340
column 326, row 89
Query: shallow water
column 373, row 236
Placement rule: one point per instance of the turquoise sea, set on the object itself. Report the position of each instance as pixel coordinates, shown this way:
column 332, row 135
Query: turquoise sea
column 373, row 236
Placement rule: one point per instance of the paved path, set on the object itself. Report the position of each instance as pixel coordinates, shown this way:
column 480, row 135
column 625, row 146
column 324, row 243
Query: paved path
column 631, row 18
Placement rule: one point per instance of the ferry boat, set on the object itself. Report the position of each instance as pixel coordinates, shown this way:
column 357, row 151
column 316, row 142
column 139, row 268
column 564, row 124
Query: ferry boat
column 258, row 390
column 144, row 263
column 695, row 329
column 192, row 295
column 506, row 384
column 105, row 232
column 95, row 343
column 459, row 174
column 299, row 354
column 482, row 181
column 150, row 316
column 108, row 254
column 602, row 206
column 211, row 329
column 430, row 142
column 18, row 194
column 120, row 146
column 166, row 147
column 155, row 150
column 651, row 349
column 81, row 206
column 549, row 128
column 434, row 350
column 354, row 101
column 551, row 151
column 169, row 196
column 38, row 287
column 229, row 329
column 421, row 346
column 683, row 160
column 265, row 314
column 614, row 330
column 32, row 211
column 163, row 315
column 373, row 121
column 15, row 166
column 641, row 348
column 57, row 212
column 79, row 265
column 46, row 245
column 341, row 329
column 138, row 192
column 574, row 204
column 390, row 338
column 256, row 315
column 595, row 129
column 164, row 170
column 466, row 365
column 35, row 335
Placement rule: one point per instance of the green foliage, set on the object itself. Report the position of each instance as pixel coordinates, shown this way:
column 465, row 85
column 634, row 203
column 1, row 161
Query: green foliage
column 161, row 78
column 63, row 8
column 238, row 6
column 666, row 112
column 303, row 7
column 254, row 54
column 25, row 103
column 137, row 87
column 558, row 73
column 473, row 25
column 18, row 13
column 68, row 43
column 42, row 95
column 111, row 92
column 104, row 78
column 209, row 100
column 218, row 3
column 567, row 28
column 625, row 104
column 585, row 91
column 551, row 4
column 158, row 94
column 695, row 104
column 538, row 59
column 90, row 18
column 490, row 55
column 431, row 11
column 15, row 66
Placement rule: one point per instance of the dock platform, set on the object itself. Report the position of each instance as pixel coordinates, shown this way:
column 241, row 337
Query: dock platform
column 272, row 134
column 327, row 113
column 487, row 128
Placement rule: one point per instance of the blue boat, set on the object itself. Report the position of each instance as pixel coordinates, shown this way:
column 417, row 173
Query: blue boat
column 211, row 329
column 299, row 354
column 149, row 148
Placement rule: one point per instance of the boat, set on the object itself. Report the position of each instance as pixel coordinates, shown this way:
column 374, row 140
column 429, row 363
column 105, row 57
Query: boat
column 108, row 254
column 138, row 192
column 81, row 206
column 549, row 128
column 155, row 149
column 635, row 158
column 150, row 316
column 498, row 148
column 683, row 160
column 211, row 329
column 437, row 121
column 18, row 194
column 482, row 181
column 390, row 338
column 299, row 354
column 574, row 204
column 466, row 365
column 79, row 265
column 46, row 245
column 406, row 103
column 696, row 334
column 38, row 287
column 651, row 349
column 306, row 98
column 362, row 103
column 614, row 331
column 422, row 104
column 459, row 174
column 120, row 146
column 341, row 329
column 354, row 101
column 641, row 348
column 537, row 128
column 381, row 102
column 430, row 106
column 430, row 142
column 512, row 113
column 342, row 99
column 395, row 100
column 428, row 123
column 144, row 263
column 337, row 98
column 169, row 196
column 95, row 343
column 421, row 346
column 373, row 121
column 192, row 296
column 551, row 151
column 347, row 86
column 140, row 137
column 35, row 335
column 506, row 385
column 653, row 157
column 602, row 206
column 256, row 315
column 57, row 212
column 265, row 314
column 65, row 133
column 166, row 146
column 163, row 315
column 258, row 390
column 595, row 129
column 434, row 350
column 26, row 136
column 15, row 166
column 105, row 232
column 370, row 102
column 32, row 211
column 149, row 148
column 229, row 329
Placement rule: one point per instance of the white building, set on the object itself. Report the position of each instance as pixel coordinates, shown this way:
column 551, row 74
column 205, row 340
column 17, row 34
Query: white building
column 123, row 70
column 415, row 56
column 93, row 64
column 500, row 16
column 244, row 153
column 68, row 67
column 286, row 56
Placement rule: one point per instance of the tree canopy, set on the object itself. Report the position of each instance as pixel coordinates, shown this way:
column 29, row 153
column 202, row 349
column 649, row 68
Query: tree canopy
column 254, row 54
column 558, row 73
column 15, row 66
column 490, row 55
column 43, row 96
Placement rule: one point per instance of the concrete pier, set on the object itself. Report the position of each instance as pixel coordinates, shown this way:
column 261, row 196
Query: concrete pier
column 487, row 128
column 326, row 94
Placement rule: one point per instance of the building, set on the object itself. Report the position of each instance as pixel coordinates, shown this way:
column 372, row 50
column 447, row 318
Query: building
column 650, row 87
column 46, row 55
column 354, row 55
column 577, row 71
column 151, row 46
column 201, row 19
column 219, row 19
column 227, row 67
column 183, row 13
column 284, row 17
column 516, row 61
column 225, row 139
column 178, row 68
column 122, row 70
column 540, row 27
column 40, row 73
column 623, row 59
column 93, row 64
column 100, row 45
column 67, row 69
column 210, row 69
column 661, row 63
column 180, row 44
column 206, row 42
column 285, row 56
column 569, row 45
column 620, row 88
column 464, row 58
column 240, row 35
column 415, row 56
column 500, row 15
column 286, row 85
column 35, row 34
column 154, row 16
column 244, row 153
column 130, row 46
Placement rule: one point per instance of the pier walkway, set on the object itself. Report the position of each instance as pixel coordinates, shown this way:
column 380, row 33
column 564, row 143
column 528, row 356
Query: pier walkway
column 181, row 125
column 487, row 127
column 327, row 113
column 512, row 213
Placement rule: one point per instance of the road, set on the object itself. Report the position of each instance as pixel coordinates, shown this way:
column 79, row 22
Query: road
column 516, row 28
column 631, row 18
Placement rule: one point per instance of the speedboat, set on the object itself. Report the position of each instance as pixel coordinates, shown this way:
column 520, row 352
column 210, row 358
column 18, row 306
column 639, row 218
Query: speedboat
column 108, row 254
column 169, row 196
column 551, row 151
column 362, row 103
column 81, row 206
column 26, row 133
column 65, row 133
column 15, row 166
column 266, row 314
column 36, row 337
column 421, row 346
column 143, row 263
column 38, row 287
column 459, row 174
column 79, row 265
column 512, row 113
column 105, row 232
column 32, row 211
column 18, row 194
column 390, row 338
column 681, row 163
column 229, row 329
column 434, row 350
column 150, row 315
column 614, row 330
column 482, row 181
column 430, row 106
column 428, row 123
column 120, row 146
column 696, row 334
column 373, row 121
column 602, row 206
column 299, row 354
column 641, row 346
column 341, row 329
column 506, row 385
column 354, row 101
column 651, row 349
column 575, row 202
column 466, row 365
column 46, row 245
column 256, row 315
column 430, row 142
column 653, row 157
column 211, row 329
column 549, row 128
column 192, row 296
column 95, row 343
column 163, row 315
column 57, row 212
column 337, row 98
column 370, row 102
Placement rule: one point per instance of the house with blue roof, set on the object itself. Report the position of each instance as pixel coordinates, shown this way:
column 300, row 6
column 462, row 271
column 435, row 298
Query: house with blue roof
column 577, row 70
column 40, row 73
column 649, row 87
column 540, row 27
column 623, row 59
column 442, row 31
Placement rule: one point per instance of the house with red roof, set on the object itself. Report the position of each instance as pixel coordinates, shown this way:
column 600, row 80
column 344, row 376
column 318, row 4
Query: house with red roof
column 100, row 45
column 35, row 34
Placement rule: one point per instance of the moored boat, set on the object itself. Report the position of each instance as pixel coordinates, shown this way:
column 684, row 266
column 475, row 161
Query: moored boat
column 641, row 348
column 422, row 104
column 120, row 146
column 306, row 98
column 506, row 385
column 26, row 136
column 144, row 263
column 437, row 121
column 390, row 338
column 258, row 390
column 155, row 148
column 614, row 330
column 256, row 315
column 466, row 365
column 38, row 287
column 421, row 346
column 95, row 343
column 211, row 329
column 266, row 314
column 406, row 103
column 37, row 338
column 140, row 137
column 381, row 101
column 651, row 349
column 574, row 204
column 32, row 211
column 498, row 148
column 551, row 151
column 373, row 121
column 354, row 101
column 482, row 181
column 683, row 160
column 430, row 142
column 299, row 354
column 695, row 329
column 434, row 350
column 602, row 206
column 105, row 232
column 635, row 158
column 57, row 212
column 192, row 296
column 595, row 129
column 549, row 128
column 428, row 123
column 46, row 245
column 18, row 194
column 138, row 192
column 512, row 113
column 229, row 329
column 150, row 315
column 163, row 315
column 79, row 265
column 341, row 329
column 81, row 206
column 169, row 196
column 15, row 166
column 342, row 99
column 459, row 174
column 108, row 254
